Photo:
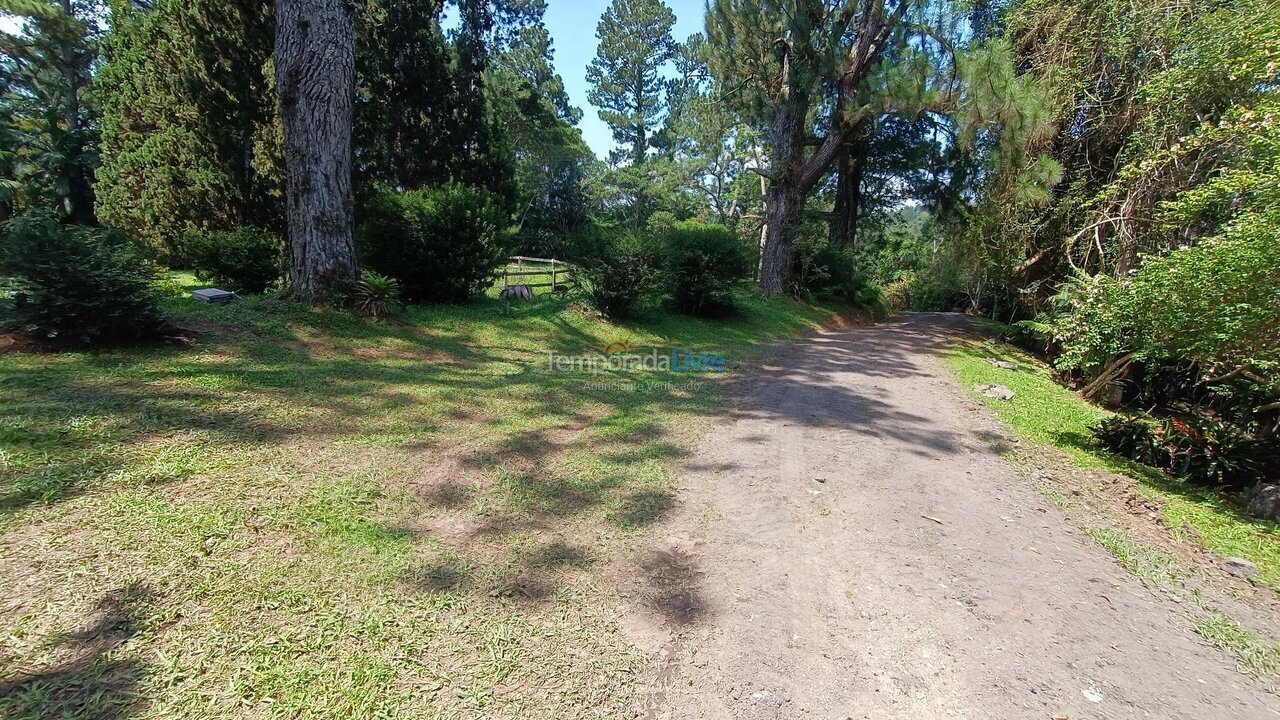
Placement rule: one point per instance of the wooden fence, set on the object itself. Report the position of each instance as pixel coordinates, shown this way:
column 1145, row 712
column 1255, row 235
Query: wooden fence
column 558, row 273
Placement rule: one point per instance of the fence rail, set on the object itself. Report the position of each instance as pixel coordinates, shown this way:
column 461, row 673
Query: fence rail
column 562, row 274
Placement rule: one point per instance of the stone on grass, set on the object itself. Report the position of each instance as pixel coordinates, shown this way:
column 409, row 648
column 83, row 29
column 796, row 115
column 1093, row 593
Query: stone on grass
column 1003, row 364
column 1240, row 567
column 998, row 392
column 214, row 295
column 1264, row 502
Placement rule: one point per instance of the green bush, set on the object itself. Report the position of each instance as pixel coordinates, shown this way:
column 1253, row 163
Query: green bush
column 1203, row 451
column 617, row 267
column 1217, row 304
column 707, row 263
column 247, row 260
column 938, row 285
column 74, row 284
column 897, row 294
column 444, row 244
column 1131, row 438
column 833, row 270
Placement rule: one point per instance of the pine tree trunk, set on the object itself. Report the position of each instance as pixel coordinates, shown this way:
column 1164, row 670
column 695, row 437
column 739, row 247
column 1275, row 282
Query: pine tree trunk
column 784, row 199
column 842, row 219
column 848, row 206
column 782, row 205
column 315, row 76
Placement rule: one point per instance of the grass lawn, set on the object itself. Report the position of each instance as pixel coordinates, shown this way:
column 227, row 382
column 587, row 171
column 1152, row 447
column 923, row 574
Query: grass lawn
column 303, row 514
column 1047, row 413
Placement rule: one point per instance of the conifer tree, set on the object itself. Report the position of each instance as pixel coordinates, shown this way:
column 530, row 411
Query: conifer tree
column 625, row 76
column 189, row 119
column 47, row 114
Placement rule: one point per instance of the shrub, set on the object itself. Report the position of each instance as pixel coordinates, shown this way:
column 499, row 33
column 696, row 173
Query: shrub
column 76, row 284
column 897, row 294
column 1211, row 452
column 938, row 285
column 617, row 267
column 375, row 295
column 247, row 260
column 1130, row 438
column 707, row 263
column 444, row 244
column 833, row 270
column 1217, row 304
column 1198, row 450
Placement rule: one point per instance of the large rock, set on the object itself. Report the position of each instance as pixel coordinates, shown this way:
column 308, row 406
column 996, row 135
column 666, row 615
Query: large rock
column 1264, row 502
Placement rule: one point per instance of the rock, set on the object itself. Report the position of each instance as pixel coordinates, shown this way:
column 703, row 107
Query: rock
column 1005, row 364
column 1264, row 502
column 1240, row 567
column 998, row 392
column 1113, row 395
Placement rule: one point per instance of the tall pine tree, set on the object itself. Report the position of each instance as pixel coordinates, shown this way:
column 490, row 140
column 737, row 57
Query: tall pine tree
column 626, row 74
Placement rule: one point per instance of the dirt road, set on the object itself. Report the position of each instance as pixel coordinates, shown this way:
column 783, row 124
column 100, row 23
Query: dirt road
column 851, row 545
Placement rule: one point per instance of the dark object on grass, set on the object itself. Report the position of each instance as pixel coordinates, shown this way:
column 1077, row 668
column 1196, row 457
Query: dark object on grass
column 516, row 292
column 214, row 296
column 1264, row 501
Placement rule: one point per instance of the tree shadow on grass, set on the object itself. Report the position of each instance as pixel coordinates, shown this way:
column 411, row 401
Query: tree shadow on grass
column 93, row 682
column 529, row 574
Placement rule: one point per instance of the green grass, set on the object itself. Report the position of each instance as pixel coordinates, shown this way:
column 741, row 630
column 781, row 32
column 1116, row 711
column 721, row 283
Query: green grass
column 1150, row 564
column 305, row 514
column 1045, row 412
column 1254, row 655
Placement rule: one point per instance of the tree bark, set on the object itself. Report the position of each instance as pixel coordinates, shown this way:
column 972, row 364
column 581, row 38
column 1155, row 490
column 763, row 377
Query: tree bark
column 783, row 199
column 782, row 204
column 848, row 207
column 315, row 77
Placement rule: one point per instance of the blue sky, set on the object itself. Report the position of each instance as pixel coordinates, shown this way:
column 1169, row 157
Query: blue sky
column 572, row 24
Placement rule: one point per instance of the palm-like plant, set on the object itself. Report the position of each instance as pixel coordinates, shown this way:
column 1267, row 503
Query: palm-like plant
column 376, row 295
